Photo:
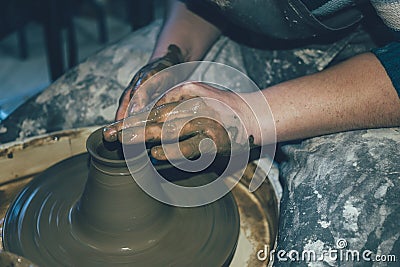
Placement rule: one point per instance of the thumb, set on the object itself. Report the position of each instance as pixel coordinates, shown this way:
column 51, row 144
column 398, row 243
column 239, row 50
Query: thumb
column 139, row 101
column 123, row 105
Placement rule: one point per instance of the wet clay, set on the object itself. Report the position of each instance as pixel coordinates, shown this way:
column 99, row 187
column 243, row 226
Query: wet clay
column 88, row 211
column 190, row 119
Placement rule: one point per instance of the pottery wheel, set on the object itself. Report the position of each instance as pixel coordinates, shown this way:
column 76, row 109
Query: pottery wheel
column 40, row 226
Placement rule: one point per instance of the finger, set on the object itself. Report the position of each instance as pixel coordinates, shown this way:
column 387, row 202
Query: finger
column 168, row 111
column 148, row 88
column 137, row 135
column 169, row 131
column 139, row 101
column 127, row 96
column 177, row 94
column 111, row 131
column 176, row 113
column 157, row 114
column 123, row 105
column 188, row 91
column 189, row 148
column 181, row 128
column 133, row 90
column 197, row 130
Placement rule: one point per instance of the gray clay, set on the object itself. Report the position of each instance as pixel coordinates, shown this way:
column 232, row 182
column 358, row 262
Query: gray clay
column 83, row 212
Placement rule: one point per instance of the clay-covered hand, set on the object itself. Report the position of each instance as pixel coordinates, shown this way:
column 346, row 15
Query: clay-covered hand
column 143, row 95
column 184, row 117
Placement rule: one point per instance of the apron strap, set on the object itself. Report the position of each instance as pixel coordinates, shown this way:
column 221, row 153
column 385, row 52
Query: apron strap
column 343, row 19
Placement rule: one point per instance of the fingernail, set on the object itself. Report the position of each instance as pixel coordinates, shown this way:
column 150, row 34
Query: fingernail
column 158, row 153
column 110, row 134
column 136, row 108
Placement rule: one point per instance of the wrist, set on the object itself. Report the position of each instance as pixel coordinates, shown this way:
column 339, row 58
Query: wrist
column 173, row 52
column 257, row 118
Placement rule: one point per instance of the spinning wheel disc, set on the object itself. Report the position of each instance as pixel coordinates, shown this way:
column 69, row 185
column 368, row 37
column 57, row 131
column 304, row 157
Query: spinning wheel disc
column 43, row 225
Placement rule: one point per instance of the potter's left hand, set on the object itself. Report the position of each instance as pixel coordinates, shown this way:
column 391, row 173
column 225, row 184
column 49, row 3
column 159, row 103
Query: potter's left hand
column 187, row 115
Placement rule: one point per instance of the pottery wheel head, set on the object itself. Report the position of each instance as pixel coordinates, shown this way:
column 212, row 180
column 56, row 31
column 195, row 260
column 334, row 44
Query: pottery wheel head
column 86, row 211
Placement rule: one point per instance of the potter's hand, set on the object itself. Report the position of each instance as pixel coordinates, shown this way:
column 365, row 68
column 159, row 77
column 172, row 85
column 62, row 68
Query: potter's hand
column 141, row 96
column 184, row 117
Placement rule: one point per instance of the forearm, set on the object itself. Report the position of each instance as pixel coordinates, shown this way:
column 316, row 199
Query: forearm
column 355, row 94
column 191, row 33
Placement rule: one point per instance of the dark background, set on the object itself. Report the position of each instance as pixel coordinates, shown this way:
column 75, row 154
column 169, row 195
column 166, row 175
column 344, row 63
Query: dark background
column 41, row 39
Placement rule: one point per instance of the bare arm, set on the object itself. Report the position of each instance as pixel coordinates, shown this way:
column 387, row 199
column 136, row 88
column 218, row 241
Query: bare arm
column 184, row 36
column 355, row 94
column 191, row 33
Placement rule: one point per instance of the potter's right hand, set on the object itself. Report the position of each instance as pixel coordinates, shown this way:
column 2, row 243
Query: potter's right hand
column 144, row 95
column 185, row 117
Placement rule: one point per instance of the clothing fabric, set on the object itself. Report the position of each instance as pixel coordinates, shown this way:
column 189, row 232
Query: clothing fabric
column 316, row 6
column 389, row 56
column 321, row 18
column 327, row 8
column 389, row 11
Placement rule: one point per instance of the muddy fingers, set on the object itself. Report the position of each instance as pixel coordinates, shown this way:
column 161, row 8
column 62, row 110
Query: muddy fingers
column 170, row 112
column 201, row 135
column 142, row 95
column 189, row 148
